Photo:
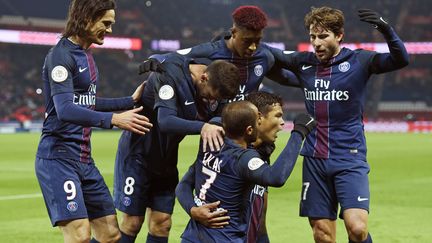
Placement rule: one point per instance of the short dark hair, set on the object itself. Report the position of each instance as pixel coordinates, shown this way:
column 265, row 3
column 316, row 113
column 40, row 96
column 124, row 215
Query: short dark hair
column 327, row 18
column 250, row 17
column 224, row 77
column 264, row 101
column 236, row 117
column 83, row 12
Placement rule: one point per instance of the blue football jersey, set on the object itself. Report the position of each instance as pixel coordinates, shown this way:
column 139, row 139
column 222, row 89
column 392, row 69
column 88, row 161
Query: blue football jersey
column 172, row 89
column 68, row 69
column 334, row 94
column 222, row 176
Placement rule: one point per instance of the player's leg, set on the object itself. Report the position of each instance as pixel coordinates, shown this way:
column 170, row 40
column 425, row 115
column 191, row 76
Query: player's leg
column 74, row 231
column 356, row 223
column 352, row 188
column 318, row 187
column 106, row 229
column 100, row 205
column 60, row 183
column 162, row 206
column 159, row 224
column 130, row 194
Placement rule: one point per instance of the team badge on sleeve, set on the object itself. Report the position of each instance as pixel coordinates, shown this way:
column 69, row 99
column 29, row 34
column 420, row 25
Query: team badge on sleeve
column 59, row 74
column 184, row 51
column 258, row 70
column 255, row 163
column 166, row 92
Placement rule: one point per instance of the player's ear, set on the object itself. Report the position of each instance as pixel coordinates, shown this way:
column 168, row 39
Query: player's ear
column 233, row 31
column 204, row 77
column 259, row 119
column 249, row 130
column 340, row 37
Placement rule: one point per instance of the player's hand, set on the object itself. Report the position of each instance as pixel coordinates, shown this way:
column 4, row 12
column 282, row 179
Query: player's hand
column 210, row 215
column 212, row 135
column 138, row 92
column 304, row 124
column 132, row 121
column 372, row 17
column 150, row 65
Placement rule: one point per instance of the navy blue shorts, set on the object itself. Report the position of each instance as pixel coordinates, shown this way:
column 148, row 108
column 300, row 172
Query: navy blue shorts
column 329, row 182
column 73, row 190
column 137, row 187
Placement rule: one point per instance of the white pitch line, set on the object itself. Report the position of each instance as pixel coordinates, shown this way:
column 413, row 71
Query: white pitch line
column 22, row 196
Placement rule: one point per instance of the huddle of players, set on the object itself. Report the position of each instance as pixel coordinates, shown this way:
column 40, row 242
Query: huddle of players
column 224, row 191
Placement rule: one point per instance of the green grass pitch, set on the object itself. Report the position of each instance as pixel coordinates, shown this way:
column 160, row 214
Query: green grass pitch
column 400, row 178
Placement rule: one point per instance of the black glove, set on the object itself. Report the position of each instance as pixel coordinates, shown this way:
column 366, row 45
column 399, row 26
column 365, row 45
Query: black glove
column 372, row 17
column 150, row 65
column 304, row 124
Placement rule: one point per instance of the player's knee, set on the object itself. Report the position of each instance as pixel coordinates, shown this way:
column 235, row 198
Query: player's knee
column 112, row 237
column 160, row 226
column 322, row 233
column 358, row 231
column 131, row 225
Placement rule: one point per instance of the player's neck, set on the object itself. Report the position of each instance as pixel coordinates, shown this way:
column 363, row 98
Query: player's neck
column 230, row 46
column 257, row 142
column 79, row 41
column 240, row 141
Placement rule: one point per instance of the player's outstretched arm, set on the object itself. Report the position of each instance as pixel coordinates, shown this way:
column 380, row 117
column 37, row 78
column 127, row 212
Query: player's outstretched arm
column 132, row 121
column 120, row 104
column 169, row 122
column 384, row 62
column 283, row 77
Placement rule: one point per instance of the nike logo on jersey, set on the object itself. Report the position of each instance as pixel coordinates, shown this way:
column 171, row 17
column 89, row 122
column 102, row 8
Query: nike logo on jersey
column 82, row 69
column 304, row 67
column 361, row 199
column 189, row 102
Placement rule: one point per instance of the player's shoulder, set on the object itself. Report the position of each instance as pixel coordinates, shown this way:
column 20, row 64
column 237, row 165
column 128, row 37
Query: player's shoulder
column 204, row 49
column 61, row 53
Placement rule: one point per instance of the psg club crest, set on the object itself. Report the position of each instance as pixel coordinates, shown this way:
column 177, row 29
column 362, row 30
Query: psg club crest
column 258, row 70
column 343, row 67
column 72, row 206
column 127, row 201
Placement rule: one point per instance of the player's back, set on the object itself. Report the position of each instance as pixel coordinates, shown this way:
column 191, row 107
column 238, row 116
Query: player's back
column 218, row 178
column 171, row 89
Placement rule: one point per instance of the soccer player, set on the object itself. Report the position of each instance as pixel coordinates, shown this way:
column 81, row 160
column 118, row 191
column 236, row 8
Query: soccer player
column 74, row 191
column 271, row 122
column 334, row 81
column 229, row 175
column 177, row 102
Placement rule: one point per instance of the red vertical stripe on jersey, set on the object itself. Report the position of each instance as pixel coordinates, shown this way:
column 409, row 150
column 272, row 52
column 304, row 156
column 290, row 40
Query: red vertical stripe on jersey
column 85, row 149
column 92, row 66
column 322, row 116
column 242, row 65
column 254, row 223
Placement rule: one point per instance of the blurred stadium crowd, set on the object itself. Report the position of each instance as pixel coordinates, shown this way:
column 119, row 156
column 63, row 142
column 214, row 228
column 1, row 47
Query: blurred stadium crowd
column 405, row 94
